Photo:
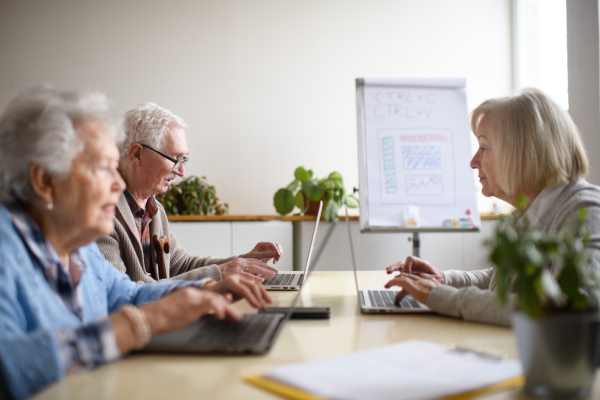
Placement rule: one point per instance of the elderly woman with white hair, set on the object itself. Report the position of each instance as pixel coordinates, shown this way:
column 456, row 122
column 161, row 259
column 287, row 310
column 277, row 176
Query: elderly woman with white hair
column 63, row 307
column 528, row 145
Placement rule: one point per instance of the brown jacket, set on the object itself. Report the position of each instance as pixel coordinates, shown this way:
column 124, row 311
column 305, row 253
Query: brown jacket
column 123, row 249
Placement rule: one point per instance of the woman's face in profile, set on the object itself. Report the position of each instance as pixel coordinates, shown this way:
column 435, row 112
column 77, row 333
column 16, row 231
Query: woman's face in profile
column 87, row 198
column 483, row 160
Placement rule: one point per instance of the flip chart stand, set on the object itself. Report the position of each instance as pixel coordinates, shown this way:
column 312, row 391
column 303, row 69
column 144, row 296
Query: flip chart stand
column 416, row 238
column 416, row 245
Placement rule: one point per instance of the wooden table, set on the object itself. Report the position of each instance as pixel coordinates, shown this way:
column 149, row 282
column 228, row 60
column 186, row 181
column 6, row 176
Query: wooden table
column 219, row 377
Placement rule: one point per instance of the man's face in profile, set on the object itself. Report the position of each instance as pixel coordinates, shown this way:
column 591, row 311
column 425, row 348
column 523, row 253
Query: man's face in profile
column 159, row 172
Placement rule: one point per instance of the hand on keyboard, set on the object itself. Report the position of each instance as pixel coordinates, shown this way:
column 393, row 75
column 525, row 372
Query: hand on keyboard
column 266, row 251
column 419, row 285
column 184, row 306
column 248, row 268
column 235, row 288
column 414, row 265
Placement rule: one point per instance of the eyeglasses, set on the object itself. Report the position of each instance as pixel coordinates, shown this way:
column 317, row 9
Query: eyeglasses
column 178, row 163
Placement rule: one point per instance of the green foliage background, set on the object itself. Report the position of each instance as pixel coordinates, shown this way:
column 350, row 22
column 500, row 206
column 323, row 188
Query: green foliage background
column 547, row 273
column 192, row 196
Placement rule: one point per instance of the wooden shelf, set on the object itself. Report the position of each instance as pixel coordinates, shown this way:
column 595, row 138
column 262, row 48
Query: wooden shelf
column 483, row 215
column 248, row 217
column 491, row 215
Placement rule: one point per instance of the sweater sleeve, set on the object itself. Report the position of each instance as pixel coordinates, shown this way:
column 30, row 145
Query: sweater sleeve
column 189, row 267
column 183, row 265
column 470, row 303
column 111, row 249
column 120, row 289
column 459, row 279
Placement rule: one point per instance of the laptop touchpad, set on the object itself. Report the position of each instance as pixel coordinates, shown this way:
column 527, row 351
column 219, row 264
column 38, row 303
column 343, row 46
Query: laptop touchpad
column 176, row 338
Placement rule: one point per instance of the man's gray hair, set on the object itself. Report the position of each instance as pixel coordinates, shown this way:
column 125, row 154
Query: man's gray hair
column 148, row 124
column 38, row 127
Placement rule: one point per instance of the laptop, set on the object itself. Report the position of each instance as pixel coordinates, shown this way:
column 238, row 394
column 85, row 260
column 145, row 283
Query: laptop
column 382, row 301
column 291, row 281
column 254, row 334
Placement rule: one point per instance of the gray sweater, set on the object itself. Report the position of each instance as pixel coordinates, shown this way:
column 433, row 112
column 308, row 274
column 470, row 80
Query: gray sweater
column 470, row 294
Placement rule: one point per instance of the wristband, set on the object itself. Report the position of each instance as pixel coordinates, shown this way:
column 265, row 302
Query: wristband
column 140, row 325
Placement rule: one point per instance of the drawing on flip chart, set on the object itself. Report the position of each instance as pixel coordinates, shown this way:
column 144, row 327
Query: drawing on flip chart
column 417, row 166
column 421, row 157
column 424, row 185
column 389, row 164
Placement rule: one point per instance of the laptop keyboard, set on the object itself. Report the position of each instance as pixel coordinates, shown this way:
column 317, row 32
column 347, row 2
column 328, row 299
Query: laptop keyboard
column 248, row 332
column 385, row 299
column 280, row 279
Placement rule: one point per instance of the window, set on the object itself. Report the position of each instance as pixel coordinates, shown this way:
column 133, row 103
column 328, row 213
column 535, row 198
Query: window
column 539, row 60
column 540, row 47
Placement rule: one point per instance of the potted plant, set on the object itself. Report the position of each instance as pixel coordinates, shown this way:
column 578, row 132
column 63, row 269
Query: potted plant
column 556, row 318
column 192, row 196
column 305, row 189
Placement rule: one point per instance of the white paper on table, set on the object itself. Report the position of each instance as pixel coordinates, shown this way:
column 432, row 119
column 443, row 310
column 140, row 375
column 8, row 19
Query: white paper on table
column 410, row 370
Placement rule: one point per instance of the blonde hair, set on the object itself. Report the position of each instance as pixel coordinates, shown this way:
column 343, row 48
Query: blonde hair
column 538, row 144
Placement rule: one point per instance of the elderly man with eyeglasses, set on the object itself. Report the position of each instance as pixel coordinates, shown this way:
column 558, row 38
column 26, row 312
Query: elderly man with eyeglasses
column 153, row 154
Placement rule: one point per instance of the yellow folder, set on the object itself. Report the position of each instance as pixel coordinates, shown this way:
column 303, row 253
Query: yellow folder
column 290, row 392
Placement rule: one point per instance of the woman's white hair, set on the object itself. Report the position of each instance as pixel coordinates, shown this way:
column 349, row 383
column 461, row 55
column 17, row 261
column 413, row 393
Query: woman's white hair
column 39, row 127
column 148, row 124
column 538, row 144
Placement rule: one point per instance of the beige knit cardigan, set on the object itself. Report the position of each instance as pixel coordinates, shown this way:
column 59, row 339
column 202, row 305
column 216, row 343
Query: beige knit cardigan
column 124, row 250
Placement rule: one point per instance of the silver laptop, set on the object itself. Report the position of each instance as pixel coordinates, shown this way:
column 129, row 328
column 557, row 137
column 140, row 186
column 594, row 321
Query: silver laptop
column 382, row 301
column 254, row 334
column 290, row 281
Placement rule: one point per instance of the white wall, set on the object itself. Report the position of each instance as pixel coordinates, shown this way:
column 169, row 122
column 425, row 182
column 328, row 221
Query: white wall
column 376, row 251
column 584, row 83
column 264, row 85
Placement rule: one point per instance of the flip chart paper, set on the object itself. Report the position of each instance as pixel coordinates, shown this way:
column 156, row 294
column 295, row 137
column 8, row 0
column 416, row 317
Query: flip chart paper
column 416, row 147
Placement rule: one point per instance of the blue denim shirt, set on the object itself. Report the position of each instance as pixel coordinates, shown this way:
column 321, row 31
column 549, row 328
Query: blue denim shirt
column 47, row 328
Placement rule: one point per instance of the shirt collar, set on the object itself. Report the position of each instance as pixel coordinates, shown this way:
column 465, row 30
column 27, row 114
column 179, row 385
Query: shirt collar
column 37, row 243
column 544, row 200
column 151, row 206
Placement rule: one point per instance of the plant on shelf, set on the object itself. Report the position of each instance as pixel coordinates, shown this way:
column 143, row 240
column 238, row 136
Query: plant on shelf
column 305, row 189
column 554, row 285
column 192, row 196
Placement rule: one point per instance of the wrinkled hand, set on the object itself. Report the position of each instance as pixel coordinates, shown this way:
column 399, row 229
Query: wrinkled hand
column 248, row 268
column 266, row 251
column 184, row 306
column 235, row 287
column 416, row 265
column 418, row 285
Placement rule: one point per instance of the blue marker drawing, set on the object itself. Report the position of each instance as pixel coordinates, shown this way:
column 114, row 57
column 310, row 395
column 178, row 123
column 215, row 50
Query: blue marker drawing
column 415, row 166
column 422, row 157
column 389, row 164
column 424, row 185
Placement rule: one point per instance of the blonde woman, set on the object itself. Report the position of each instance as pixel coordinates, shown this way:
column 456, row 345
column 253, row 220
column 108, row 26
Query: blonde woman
column 528, row 145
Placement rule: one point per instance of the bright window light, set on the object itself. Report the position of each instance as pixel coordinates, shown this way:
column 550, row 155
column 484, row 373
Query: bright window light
column 540, row 47
column 540, row 60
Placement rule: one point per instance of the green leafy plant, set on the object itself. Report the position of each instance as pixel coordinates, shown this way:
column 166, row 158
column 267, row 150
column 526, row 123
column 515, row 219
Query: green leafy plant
column 330, row 189
column 547, row 273
column 192, row 196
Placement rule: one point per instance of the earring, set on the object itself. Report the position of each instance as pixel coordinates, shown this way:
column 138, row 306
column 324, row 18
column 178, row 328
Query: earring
column 50, row 206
